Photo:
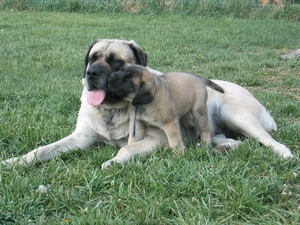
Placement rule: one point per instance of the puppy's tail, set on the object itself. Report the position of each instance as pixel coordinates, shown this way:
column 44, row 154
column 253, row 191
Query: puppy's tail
column 212, row 84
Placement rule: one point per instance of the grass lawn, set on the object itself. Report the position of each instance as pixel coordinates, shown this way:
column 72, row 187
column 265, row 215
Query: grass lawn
column 41, row 66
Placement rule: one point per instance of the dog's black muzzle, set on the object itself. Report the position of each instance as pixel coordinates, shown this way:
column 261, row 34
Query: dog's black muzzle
column 96, row 78
column 93, row 73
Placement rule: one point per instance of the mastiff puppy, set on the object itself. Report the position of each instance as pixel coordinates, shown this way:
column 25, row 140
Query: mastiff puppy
column 103, row 116
column 161, row 101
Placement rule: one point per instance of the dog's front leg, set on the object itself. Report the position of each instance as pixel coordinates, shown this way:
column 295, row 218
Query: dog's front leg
column 74, row 141
column 153, row 139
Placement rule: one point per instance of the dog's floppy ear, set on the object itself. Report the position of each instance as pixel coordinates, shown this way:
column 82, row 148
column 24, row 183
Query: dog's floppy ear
column 144, row 95
column 140, row 55
column 86, row 59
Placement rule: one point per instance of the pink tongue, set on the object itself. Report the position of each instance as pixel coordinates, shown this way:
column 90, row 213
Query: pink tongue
column 96, row 97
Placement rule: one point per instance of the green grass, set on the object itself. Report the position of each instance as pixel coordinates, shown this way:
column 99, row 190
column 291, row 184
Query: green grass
column 235, row 8
column 41, row 65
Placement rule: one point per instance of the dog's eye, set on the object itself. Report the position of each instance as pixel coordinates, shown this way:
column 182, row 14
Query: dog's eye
column 117, row 64
column 92, row 58
column 119, row 61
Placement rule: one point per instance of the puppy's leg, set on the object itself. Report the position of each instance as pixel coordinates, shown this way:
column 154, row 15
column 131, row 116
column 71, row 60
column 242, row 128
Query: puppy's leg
column 153, row 138
column 244, row 122
column 172, row 130
column 190, row 126
column 201, row 115
column 74, row 141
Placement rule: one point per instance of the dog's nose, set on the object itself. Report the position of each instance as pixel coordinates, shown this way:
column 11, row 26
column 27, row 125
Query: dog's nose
column 92, row 73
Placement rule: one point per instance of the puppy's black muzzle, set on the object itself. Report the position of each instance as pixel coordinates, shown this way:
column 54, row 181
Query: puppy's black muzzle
column 120, row 84
column 114, row 81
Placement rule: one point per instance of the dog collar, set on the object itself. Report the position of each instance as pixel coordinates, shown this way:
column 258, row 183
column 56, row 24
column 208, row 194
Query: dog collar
column 134, row 121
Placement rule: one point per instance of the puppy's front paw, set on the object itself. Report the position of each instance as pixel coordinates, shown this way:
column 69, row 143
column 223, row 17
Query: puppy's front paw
column 106, row 165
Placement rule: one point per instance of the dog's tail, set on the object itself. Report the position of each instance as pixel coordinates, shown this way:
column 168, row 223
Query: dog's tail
column 212, row 84
column 267, row 120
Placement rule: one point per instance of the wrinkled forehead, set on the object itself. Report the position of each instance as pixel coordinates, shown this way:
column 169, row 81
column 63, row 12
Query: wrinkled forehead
column 119, row 49
column 136, row 69
column 138, row 73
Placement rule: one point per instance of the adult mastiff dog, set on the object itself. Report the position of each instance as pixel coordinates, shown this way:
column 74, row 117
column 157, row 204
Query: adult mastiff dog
column 103, row 116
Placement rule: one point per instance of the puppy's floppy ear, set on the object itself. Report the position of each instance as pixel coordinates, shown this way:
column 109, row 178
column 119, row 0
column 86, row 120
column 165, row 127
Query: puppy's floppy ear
column 144, row 95
column 86, row 59
column 140, row 55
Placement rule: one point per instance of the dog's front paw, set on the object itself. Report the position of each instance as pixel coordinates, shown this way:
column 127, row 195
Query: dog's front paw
column 8, row 163
column 106, row 165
